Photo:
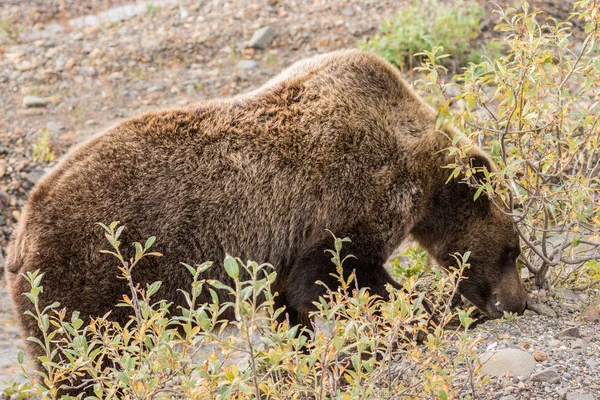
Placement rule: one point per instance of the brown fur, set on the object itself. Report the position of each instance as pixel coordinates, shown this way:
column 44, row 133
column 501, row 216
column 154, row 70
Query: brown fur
column 338, row 141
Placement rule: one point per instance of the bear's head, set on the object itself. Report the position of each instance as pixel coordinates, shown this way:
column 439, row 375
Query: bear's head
column 456, row 223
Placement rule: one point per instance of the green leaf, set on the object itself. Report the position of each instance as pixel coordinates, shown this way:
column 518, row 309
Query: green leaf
column 149, row 242
column 231, row 267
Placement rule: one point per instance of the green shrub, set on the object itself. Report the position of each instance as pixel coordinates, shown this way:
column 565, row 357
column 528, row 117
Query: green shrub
column 535, row 110
column 359, row 347
column 41, row 150
column 453, row 25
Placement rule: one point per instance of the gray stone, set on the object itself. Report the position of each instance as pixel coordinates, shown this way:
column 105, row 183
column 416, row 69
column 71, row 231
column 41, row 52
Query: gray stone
column 542, row 309
column 580, row 396
column 578, row 344
column 2, row 168
column 262, row 38
column 529, row 313
column 592, row 363
column 2, row 261
column 348, row 11
column 34, row 101
column 150, row 44
column 568, row 333
column 54, row 126
column 512, row 362
column 509, row 397
column 569, row 295
column 155, row 88
column 247, row 64
column 554, row 343
column 35, row 175
column 549, row 375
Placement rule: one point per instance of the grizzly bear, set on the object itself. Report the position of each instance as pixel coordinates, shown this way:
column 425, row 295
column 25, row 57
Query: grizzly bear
column 337, row 142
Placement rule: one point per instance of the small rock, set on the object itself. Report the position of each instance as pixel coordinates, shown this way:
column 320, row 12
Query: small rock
column 94, row 53
column 542, row 309
column 2, row 168
column 262, row 38
column 513, row 362
column 569, row 295
column 572, row 332
column 592, row 313
column 150, row 44
column 4, row 199
column 348, row 11
column 580, row 396
column 183, row 13
column 54, row 127
column 554, row 343
column 16, row 215
column 592, row 363
column 578, row 344
column 2, row 262
column 35, row 175
column 529, row 313
column 549, row 375
column 509, row 397
column 155, row 88
column 247, row 64
column 539, row 356
column 35, row 101
column 69, row 64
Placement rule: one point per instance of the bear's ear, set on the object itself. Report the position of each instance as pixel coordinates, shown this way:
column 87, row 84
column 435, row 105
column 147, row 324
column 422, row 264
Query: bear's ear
column 479, row 162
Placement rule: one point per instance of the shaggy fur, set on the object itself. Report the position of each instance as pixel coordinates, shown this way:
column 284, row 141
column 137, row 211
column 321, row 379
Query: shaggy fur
column 338, row 141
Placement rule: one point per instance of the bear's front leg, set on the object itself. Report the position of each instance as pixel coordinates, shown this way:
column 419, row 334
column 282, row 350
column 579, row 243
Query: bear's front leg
column 315, row 264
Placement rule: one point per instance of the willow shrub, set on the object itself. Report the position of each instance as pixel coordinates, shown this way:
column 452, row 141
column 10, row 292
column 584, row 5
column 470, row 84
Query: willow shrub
column 358, row 347
column 536, row 111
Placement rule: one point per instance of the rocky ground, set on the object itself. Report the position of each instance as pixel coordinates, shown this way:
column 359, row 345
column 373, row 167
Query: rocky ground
column 65, row 76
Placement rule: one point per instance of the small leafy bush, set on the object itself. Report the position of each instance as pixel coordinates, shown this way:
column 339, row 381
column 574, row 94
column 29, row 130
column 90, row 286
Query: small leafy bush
column 358, row 347
column 41, row 150
column 453, row 25
column 535, row 110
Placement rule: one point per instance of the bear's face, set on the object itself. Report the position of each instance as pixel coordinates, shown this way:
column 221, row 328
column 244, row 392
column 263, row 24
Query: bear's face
column 492, row 281
column 455, row 223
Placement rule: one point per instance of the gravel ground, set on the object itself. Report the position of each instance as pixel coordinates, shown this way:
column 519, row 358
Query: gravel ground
column 70, row 77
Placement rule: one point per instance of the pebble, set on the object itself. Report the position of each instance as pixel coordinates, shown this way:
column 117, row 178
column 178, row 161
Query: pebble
column 155, row 88
column 348, row 11
column 2, row 260
column 54, row 126
column 549, row 375
column 509, row 397
column 542, row 309
column 572, row 332
column 247, row 64
column 2, row 168
column 580, row 396
column 512, row 362
column 539, row 356
column 35, row 175
column 578, row 344
column 262, row 38
column 35, row 101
